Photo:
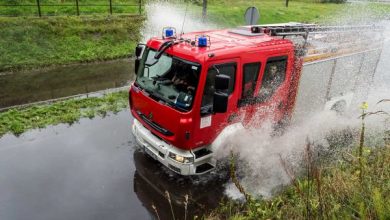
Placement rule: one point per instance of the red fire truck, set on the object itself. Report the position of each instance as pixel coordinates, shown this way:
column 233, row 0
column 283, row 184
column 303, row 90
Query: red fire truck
column 194, row 89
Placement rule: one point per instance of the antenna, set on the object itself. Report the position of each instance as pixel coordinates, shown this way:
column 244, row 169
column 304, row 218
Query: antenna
column 185, row 15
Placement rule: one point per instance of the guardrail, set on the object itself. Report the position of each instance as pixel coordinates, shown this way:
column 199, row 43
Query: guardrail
column 45, row 8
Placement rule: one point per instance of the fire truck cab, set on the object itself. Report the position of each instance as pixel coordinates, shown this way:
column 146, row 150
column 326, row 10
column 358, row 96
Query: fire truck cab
column 190, row 90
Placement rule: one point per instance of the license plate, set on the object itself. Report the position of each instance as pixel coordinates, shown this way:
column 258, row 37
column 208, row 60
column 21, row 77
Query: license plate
column 150, row 153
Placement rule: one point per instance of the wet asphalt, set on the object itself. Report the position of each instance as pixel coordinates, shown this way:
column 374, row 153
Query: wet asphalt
column 28, row 86
column 83, row 171
column 92, row 170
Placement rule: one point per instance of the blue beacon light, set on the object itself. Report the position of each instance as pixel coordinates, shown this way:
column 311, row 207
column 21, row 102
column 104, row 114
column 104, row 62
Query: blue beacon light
column 168, row 32
column 202, row 41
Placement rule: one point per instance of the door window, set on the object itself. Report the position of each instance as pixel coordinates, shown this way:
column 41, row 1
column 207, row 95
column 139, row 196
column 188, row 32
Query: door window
column 273, row 78
column 208, row 93
column 251, row 72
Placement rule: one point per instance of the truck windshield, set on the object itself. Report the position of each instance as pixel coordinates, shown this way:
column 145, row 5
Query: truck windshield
column 170, row 80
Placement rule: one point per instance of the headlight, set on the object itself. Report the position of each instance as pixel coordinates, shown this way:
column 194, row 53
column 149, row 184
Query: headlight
column 180, row 158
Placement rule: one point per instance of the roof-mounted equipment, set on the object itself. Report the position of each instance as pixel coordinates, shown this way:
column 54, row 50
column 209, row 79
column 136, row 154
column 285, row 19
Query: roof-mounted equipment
column 256, row 30
column 169, row 32
column 202, row 40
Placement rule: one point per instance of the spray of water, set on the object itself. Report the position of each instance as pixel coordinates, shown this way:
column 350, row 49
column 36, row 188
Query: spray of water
column 259, row 151
column 162, row 14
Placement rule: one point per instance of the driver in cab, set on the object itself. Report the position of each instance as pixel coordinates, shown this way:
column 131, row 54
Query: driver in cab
column 182, row 79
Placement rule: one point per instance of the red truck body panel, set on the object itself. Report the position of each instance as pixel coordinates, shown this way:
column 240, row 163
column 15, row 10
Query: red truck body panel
column 225, row 47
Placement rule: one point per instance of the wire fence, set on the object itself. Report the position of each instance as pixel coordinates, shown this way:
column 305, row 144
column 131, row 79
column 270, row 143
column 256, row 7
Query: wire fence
column 13, row 8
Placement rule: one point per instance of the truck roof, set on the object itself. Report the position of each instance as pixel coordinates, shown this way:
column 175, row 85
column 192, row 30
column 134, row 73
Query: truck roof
column 323, row 41
column 221, row 43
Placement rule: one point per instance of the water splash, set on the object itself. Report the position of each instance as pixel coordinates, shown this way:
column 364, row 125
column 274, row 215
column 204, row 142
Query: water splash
column 162, row 14
column 259, row 151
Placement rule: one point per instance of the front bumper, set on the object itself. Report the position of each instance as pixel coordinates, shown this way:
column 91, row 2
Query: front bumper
column 159, row 150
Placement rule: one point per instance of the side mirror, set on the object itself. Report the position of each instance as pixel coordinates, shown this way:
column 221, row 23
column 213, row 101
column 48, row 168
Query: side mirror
column 139, row 50
column 220, row 102
column 222, row 82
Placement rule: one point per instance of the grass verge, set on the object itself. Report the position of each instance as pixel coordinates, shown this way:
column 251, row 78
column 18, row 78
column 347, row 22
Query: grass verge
column 231, row 12
column 69, row 111
column 30, row 42
column 356, row 185
column 334, row 192
column 67, row 7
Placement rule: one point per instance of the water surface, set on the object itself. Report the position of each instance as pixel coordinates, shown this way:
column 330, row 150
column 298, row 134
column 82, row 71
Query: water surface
column 62, row 81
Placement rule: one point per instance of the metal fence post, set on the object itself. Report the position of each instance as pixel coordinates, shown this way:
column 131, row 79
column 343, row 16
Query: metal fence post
column 77, row 8
column 139, row 6
column 204, row 10
column 110, row 6
column 39, row 8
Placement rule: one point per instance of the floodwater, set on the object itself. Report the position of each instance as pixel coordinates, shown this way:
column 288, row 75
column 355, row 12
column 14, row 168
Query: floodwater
column 92, row 170
column 62, row 81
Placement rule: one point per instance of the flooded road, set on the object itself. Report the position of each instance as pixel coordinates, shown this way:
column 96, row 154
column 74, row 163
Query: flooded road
column 92, row 170
column 62, row 81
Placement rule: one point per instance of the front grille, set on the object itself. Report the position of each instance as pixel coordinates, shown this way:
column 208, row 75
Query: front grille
column 161, row 154
column 154, row 125
column 204, row 167
column 177, row 170
column 202, row 152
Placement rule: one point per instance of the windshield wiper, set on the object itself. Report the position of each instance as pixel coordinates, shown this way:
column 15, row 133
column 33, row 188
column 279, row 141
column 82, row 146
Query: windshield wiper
column 153, row 94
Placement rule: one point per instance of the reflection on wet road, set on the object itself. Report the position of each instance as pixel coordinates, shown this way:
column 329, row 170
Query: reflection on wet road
column 91, row 170
column 152, row 181
column 62, row 81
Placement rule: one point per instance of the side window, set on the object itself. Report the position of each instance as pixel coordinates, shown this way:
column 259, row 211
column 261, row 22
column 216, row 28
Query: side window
column 208, row 94
column 251, row 72
column 273, row 78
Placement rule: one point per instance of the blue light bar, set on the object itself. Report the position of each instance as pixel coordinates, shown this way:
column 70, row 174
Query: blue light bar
column 202, row 41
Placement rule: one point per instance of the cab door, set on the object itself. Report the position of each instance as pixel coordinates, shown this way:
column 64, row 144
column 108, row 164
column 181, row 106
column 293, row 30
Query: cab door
column 267, row 101
column 250, row 76
column 210, row 123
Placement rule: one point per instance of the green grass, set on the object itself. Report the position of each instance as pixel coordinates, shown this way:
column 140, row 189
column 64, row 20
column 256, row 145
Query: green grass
column 330, row 192
column 68, row 7
column 231, row 12
column 30, row 42
column 17, row 121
